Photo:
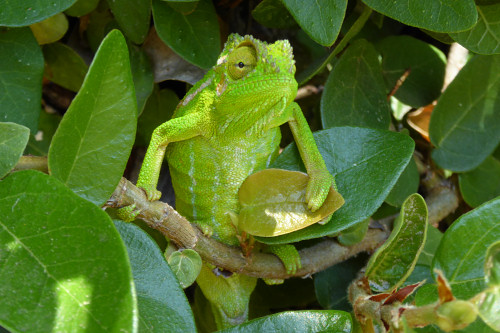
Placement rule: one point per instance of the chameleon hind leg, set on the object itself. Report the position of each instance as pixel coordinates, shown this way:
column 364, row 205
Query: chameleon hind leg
column 229, row 296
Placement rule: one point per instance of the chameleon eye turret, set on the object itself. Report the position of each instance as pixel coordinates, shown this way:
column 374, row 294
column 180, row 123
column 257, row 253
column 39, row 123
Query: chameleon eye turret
column 241, row 61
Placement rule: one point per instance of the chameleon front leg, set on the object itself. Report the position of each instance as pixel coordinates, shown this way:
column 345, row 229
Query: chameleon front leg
column 320, row 178
column 176, row 129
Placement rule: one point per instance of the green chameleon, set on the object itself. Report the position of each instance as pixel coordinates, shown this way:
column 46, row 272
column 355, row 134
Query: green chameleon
column 225, row 129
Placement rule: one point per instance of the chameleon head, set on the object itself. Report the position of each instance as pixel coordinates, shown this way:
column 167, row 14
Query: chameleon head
column 248, row 65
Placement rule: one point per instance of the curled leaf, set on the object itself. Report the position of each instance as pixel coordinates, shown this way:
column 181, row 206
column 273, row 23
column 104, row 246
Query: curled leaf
column 273, row 203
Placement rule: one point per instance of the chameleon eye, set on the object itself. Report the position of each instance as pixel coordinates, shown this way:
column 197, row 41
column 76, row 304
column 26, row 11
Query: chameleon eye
column 241, row 61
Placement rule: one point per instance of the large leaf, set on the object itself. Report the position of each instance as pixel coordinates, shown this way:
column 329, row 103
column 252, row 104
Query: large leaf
column 63, row 265
column 434, row 15
column 394, row 261
column 200, row 42
column 355, row 93
column 90, row 149
column 17, row 13
column 321, row 21
column 426, row 63
column 407, row 184
column 163, row 306
column 64, row 66
column 142, row 74
column 482, row 183
column 21, row 71
column 366, row 164
column 273, row 202
column 133, row 16
column 461, row 253
column 484, row 37
column 13, row 139
column 465, row 124
column 298, row 321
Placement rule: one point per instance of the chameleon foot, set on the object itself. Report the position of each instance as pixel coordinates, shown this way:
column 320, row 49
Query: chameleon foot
column 151, row 192
column 288, row 255
column 127, row 213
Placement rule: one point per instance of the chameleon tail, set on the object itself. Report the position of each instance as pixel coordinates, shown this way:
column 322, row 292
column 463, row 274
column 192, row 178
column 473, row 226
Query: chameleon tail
column 229, row 296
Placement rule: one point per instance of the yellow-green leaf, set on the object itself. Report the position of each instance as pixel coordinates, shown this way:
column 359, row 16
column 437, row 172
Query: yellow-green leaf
column 273, row 203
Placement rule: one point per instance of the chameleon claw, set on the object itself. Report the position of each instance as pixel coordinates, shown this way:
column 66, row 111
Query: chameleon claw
column 288, row 255
column 127, row 213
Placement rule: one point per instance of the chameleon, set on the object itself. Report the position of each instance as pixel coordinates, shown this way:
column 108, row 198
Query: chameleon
column 225, row 129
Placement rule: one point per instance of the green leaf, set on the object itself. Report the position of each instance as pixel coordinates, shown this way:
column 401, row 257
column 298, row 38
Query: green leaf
column 200, row 42
column 133, row 16
column 17, row 13
column 64, row 66
column 321, row 21
column 354, row 234
column 298, row 321
column 423, row 270
column 355, row 93
column 63, row 265
column 162, row 304
column 273, row 202
column 13, row 139
column 142, row 74
column 434, row 15
column 407, row 184
column 426, row 63
column 482, row 183
column 366, row 164
column 21, row 71
column 90, row 148
column 331, row 284
column 465, row 124
column 39, row 144
column 159, row 108
column 484, row 37
column 394, row 261
column 462, row 251
column 51, row 29
column 273, row 14
column 186, row 266
column 489, row 306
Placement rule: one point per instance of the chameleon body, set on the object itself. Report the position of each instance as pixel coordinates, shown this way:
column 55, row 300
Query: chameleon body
column 225, row 129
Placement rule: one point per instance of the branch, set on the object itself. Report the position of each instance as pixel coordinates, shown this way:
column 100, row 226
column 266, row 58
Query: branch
column 162, row 217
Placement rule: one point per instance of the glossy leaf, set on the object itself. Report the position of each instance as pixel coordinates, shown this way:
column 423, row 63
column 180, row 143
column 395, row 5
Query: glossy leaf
column 394, row 261
column 64, row 66
column 366, row 164
column 321, row 21
column 90, row 149
column 13, row 139
column 186, row 266
column 461, row 253
column 434, row 15
column 51, row 29
column 273, row 14
column 273, row 202
column 355, row 93
column 426, row 63
column 162, row 304
column 133, row 16
column 484, row 37
column 63, row 265
column 200, row 42
column 489, row 307
column 406, row 185
column 465, row 127
column 482, row 183
column 298, row 321
column 17, row 13
column 21, row 71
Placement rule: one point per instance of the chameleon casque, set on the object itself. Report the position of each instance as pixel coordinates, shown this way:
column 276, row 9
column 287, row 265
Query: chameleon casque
column 225, row 129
